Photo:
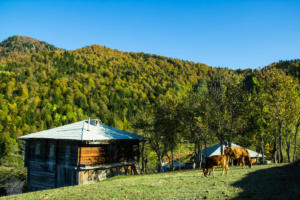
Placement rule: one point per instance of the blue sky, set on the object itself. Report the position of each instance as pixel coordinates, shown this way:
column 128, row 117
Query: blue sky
column 220, row 33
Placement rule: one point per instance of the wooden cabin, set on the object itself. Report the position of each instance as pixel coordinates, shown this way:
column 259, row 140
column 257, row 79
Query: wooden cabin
column 79, row 153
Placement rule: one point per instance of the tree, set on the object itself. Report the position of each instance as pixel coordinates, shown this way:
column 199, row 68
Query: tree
column 259, row 108
column 167, row 124
column 195, row 119
column 278, row 93
column 235, row 103
column 219, row 112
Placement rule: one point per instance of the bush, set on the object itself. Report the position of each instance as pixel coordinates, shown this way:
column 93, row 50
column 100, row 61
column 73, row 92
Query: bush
column 12, row 180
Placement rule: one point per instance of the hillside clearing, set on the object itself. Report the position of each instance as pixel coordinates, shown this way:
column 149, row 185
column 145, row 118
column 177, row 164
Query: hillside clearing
column 260, row 182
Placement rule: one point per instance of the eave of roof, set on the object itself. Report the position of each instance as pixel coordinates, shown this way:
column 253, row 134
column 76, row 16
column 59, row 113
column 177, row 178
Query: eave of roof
column 82, row 131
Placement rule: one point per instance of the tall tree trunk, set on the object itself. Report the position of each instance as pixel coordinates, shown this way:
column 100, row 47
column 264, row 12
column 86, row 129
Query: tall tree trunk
column 198, row 154
column 205, row 146
column 230, row 138
column 230, row 161
column 295, row 142
column 172, row 159
column 220, row 135
column 288, row 147
column 160, row 155
column 262, row 146
column 277, row 151
column 160, row 162
column 221, row 143
column 277, row 157
column 262, row 143
column 200, row 159
column 274, row 152
column 195, row 155
column 280, row 150
column 146, row 163
column 280, row 143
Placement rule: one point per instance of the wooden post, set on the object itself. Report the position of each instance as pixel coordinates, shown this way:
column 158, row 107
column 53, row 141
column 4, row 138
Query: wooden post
column 143, row 158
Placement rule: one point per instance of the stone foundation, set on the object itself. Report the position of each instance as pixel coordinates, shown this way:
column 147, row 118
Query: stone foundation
column 91, row 174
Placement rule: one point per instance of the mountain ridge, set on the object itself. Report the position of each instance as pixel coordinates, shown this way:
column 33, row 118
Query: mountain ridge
column 14, row 46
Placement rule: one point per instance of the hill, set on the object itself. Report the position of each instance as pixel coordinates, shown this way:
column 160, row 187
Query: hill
column 43, row 87
column 17, row 46
column 53, row 87
column 260, row 182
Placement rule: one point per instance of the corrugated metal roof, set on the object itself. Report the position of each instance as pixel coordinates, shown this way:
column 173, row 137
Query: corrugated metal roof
column 79, row 131
column 216, row 150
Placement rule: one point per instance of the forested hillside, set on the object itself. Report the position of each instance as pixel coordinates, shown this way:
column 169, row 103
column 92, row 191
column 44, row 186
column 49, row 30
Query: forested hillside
column 42, row 86
column 17, row 46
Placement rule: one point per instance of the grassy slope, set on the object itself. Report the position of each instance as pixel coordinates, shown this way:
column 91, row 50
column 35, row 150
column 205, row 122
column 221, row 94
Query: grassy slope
column 184, row 185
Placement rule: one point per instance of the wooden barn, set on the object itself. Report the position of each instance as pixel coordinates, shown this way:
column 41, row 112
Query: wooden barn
column 79, row 153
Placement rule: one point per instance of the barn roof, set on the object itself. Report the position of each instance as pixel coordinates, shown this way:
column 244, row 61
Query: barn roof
column 82, row 131
column 216, row 150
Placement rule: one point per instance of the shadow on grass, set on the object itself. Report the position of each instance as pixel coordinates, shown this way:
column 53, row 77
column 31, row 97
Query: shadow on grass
column 272, row 183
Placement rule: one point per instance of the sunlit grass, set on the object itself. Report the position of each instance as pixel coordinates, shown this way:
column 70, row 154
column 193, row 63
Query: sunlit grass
column 189, row 184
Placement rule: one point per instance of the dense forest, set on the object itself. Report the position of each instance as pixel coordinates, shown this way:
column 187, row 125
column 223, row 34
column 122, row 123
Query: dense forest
column 171, row 101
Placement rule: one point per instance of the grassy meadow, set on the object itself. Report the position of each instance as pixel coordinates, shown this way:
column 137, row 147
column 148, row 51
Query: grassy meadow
column 259, row 182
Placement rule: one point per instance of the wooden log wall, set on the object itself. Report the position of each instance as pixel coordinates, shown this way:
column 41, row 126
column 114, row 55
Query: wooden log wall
column 51, row 164
column 93, row 155
column 115, row 152
column 41, row 165
column 67, row 157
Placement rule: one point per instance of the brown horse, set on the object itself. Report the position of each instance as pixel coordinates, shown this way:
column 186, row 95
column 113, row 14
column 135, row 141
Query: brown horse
column 239, row 153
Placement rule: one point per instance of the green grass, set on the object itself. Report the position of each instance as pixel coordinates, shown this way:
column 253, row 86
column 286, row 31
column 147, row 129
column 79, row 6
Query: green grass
column 238, row 184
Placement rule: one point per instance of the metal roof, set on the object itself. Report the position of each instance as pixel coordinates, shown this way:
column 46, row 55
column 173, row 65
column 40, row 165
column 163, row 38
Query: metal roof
column 79, row 131
column 216, row 150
